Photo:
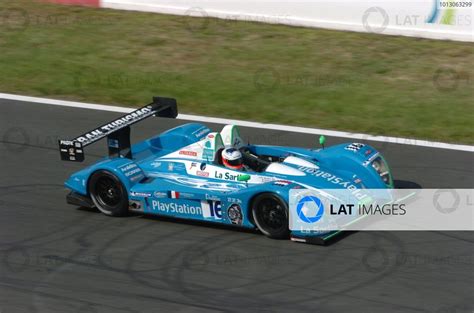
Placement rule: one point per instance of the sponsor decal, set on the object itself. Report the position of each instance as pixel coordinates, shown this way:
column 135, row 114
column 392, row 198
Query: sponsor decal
column 71, row 150
column 138, row 177
column 282, row 183
column 156, row 164
column 188, row 153
column 175, row 208
column 170, row 167
column 113, row 143
column 131, row 169
column 368, row 152
column 173, row 194
column 202, row 167
column 187, row 195
column 202, row 173
column 234, row 200
column 112, row 126
column 335, row 180
column 127, row 167
column 193, row 164
column 201, row 132
column 234, row 212
column 210, row 136
column 208, row 154
column 211, row 209
column 160, row 194
column 265, row 179
column 227, row 176
column 140, row 194
column 212, row 197
column 354, row 146
column 369, row 160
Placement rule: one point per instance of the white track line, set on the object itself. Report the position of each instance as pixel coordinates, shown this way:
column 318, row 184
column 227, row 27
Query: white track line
column 294, row 129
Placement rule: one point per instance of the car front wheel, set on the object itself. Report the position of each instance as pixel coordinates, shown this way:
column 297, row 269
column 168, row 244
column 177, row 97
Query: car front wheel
column 270, row 214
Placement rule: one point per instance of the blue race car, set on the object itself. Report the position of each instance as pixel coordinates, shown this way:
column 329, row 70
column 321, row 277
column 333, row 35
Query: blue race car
column 181, row 173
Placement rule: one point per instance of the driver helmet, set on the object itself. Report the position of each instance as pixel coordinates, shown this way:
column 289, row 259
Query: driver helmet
column 232, row 158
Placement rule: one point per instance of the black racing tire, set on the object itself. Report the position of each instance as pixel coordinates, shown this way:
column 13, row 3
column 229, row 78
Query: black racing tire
column 270, row 214
column 108, row 194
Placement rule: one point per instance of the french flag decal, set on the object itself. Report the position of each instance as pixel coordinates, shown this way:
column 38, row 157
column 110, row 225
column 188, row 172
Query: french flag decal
column 173, row 194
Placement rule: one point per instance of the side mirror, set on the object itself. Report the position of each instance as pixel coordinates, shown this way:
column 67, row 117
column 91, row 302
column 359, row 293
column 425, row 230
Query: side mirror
column 322, row 140
column 243, row 178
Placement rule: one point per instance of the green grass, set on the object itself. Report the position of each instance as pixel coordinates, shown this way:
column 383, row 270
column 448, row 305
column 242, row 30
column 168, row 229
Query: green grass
column 348, row 81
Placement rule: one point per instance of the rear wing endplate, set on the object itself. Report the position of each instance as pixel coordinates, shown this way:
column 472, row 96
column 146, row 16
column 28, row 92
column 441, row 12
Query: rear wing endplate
column 117, row 131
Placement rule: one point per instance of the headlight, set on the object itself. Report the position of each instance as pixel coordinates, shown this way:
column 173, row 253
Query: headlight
column 381, row 167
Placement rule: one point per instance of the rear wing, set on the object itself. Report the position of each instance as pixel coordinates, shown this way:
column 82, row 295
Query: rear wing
column 117, row 131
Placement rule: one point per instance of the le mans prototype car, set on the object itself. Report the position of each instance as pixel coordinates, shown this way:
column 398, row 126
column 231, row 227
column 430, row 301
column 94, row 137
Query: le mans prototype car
column 180, row 174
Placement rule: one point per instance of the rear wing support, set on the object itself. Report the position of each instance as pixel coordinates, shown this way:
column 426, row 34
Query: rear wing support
column 117, row 131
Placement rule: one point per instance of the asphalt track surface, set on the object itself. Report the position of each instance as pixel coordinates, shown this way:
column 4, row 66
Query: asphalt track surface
column 58, row 258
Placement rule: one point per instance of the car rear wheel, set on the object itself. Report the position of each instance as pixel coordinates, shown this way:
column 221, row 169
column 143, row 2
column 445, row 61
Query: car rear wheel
column 270, row 214
column 108, row 194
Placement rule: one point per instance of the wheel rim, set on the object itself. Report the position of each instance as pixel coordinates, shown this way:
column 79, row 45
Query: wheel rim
column 272, row 214
column 108, row 192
